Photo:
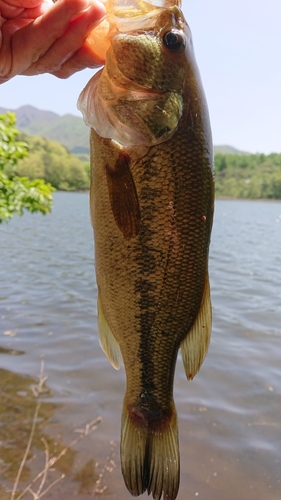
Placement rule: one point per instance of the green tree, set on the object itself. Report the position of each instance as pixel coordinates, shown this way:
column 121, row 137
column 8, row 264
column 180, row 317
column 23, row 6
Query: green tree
column 18, row 193
column 32, row 166
column 51, row 161
column 251, row 176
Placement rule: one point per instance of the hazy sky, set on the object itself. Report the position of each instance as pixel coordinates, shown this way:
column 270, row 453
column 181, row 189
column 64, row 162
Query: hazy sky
column 238, row 50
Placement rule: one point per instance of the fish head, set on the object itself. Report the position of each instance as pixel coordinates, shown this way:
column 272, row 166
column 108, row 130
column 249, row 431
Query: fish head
column 139, row 98
column 152, row 58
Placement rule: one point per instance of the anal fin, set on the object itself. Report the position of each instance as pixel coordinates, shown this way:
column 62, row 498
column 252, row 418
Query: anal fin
column 195, row 345
column 107, row 340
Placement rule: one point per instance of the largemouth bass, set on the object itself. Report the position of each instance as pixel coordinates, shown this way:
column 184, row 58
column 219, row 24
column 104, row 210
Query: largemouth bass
column 151, row 201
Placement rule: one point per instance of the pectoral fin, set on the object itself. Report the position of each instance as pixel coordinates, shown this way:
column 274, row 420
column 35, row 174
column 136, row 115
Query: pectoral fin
column 195, row 345
column 107, row 340
column 123, row 196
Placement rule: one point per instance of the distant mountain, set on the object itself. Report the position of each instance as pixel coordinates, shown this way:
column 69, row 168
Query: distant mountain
column 230, row 150
column 69, row 130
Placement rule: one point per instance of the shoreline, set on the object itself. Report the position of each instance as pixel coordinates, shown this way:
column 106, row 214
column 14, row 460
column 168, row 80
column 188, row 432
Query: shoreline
column 229, row 198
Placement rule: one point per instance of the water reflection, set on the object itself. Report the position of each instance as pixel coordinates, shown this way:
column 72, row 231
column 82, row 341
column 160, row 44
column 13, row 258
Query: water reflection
column 87, row 477
column 229, row 416
column 30, row 441
column 12, row 352
column 18, row 405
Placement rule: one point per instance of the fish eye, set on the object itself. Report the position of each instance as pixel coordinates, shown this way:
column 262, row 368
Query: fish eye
column 174, row 40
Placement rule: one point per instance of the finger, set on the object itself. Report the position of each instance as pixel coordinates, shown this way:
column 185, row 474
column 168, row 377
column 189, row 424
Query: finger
column 83, row 58
column 37, row 10
column 6, row 53
column 66, row 52
column 38, row 37
column 14, row 8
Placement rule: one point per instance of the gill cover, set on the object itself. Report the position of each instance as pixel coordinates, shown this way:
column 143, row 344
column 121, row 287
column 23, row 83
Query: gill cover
column 134, row 99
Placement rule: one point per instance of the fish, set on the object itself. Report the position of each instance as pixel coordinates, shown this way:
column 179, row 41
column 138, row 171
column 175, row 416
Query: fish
column 152, row 205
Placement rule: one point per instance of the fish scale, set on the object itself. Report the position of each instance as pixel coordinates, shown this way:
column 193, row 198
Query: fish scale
column 152, row 211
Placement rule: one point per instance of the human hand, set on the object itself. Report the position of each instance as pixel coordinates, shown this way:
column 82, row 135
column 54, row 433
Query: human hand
column 38, row 36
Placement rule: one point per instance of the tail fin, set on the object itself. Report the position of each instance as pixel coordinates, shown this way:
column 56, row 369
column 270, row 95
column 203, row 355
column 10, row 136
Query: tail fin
column 150, row 458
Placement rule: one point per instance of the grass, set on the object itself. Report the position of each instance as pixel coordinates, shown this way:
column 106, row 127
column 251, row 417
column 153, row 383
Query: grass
column 37, row 487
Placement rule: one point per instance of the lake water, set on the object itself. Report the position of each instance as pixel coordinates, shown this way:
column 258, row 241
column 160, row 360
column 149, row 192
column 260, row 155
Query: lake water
column 229, row 415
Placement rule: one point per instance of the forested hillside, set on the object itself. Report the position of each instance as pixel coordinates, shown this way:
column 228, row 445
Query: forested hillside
column 69, row 130
column 248, row 176
column 51, row 161
column 238, row 174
